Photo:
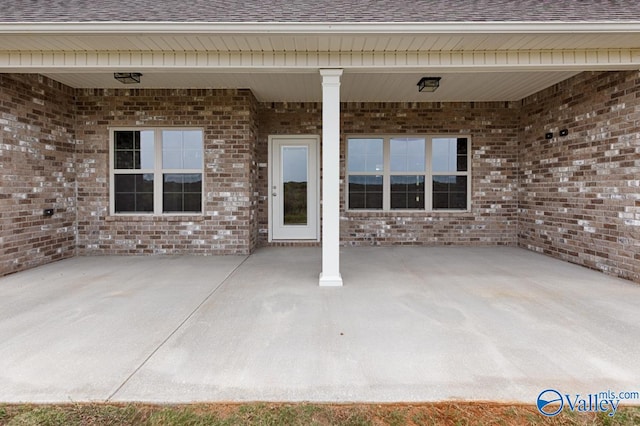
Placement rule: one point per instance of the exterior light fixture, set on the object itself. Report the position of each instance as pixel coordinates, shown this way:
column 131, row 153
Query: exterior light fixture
column 428, row 84
column 127, row 77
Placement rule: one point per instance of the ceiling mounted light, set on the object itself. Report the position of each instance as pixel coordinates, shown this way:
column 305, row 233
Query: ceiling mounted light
column 428, row 84
column 127, row 77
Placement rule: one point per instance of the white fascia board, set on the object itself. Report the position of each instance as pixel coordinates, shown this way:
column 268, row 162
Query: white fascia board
column 561, row 60
column 318, row 28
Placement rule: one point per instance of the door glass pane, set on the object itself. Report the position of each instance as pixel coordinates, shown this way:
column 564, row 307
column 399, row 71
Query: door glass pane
column 294, row 182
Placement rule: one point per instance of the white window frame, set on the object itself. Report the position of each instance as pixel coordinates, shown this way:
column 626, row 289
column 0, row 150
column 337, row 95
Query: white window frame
column 157, row 172
column 428, row 172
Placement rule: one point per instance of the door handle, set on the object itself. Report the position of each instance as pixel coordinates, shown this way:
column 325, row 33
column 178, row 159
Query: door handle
column 274, row 194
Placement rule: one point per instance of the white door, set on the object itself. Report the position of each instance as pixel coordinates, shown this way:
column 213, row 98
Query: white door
column 293, row 187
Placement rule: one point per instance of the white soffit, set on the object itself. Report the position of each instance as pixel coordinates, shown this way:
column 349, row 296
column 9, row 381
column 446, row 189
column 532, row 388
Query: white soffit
column 356, row 86
column 478, row 61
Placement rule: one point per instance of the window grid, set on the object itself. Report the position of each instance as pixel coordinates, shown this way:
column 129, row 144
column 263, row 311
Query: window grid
column 158, row 172
column 428, row 174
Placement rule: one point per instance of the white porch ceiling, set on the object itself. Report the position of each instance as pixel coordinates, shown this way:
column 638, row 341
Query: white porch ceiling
column 280, row 62
column 356, row 86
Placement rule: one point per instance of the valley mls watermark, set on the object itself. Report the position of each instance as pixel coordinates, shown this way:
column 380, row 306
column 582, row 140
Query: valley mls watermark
column 551, row 402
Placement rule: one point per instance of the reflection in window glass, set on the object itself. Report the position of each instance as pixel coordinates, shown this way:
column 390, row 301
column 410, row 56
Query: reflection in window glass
column 365, row 155
column 181, row 149
column 182, row 192
column 365, row 192
column 450, row 192
column 182, row 153
column 133, row 150
column 449, row 154
column 133, row 193
column 294, row 176
column 407, row 192
column 407, row 154
column 147, row 150
column 392, row 173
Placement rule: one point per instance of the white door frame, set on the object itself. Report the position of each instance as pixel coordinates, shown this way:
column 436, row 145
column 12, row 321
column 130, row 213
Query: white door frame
column 315, row 142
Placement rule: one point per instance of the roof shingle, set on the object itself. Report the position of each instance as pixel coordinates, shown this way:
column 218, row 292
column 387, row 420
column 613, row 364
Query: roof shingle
column 320, row 11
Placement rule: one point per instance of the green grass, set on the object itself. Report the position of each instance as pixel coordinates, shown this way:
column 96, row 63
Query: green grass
column 267, row 414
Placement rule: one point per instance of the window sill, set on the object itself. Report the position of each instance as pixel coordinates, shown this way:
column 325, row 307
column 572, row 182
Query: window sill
column 154, row 218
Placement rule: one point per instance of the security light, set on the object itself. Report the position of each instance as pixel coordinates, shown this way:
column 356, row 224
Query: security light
column 428, row 84
column 127, row 77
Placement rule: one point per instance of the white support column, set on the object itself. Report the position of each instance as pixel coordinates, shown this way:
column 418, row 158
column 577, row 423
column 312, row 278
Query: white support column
column 330, row 275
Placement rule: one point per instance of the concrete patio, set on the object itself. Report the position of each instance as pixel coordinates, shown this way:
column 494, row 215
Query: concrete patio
column 410, row 324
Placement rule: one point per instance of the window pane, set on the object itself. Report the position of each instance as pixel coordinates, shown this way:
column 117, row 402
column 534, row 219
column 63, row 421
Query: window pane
column 171, row 139
column 192, row 202
column 133, row 150
column 444, row 154
column 124, row 183
column 365, row 155
column 407, row 192
column 192, row 139
column 182, row 192
column 124, row 140
column 450, row 192
column 461, row 163
column 147, row 152
column 365, row 192
column 294, row 178
column 407, row 155
column 144, row 183
column 192, row 159
column 133, row 193
column 462, row 154
column 171, row 159
column 144, row 202
column 182, row 149
column 450, row 154
column 172, row 202
column 462, row 146
column 356, row 200
column 125, row 203
column 193, row 148
column 124, row 159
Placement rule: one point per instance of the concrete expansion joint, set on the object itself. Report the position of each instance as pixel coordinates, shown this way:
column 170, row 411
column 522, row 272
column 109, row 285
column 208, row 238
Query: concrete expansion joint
column 182, row 323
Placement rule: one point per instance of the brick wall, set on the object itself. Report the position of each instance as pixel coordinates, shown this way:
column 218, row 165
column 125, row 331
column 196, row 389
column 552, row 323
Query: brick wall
column 494, row 130
column 575, row 197
column 227, row 118
column 580, row 194
column 38, row 172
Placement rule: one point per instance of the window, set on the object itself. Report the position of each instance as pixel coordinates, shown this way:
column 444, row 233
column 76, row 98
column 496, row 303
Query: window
column 365, row 165
column 408, row 173
column 449, row 173
column 156, row 171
